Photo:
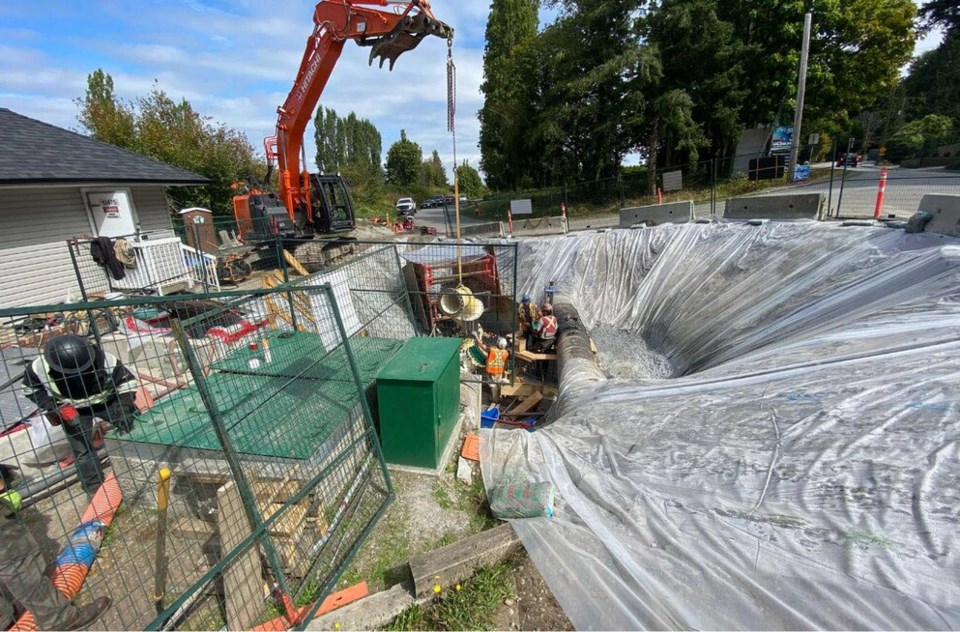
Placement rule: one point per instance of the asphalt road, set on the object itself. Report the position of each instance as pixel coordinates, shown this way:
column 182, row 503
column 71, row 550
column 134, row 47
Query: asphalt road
column 434, row 217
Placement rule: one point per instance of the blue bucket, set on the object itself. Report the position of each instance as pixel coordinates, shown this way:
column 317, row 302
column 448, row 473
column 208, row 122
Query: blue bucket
column 489, row 417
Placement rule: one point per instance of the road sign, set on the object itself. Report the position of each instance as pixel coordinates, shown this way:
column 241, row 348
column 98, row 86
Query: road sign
column 521, row 207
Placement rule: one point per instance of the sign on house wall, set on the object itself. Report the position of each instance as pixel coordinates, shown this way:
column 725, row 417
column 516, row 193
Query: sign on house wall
column 111, row 211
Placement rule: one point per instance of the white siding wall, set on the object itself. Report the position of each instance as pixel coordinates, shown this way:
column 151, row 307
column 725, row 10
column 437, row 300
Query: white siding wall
column 35, row 266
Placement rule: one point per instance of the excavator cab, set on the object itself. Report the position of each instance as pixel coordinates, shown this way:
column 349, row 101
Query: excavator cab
column 332, row 204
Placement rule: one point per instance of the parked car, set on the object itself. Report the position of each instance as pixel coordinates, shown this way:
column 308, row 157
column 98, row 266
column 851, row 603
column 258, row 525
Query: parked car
column 406, row 206
column 432, row 202
column 851, row 160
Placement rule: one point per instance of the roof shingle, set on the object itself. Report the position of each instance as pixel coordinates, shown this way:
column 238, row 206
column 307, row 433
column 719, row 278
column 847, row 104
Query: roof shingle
column 34, row 152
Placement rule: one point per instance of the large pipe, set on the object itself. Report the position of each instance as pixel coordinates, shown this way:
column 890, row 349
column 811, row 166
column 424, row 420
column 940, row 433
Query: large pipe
column 576, row 363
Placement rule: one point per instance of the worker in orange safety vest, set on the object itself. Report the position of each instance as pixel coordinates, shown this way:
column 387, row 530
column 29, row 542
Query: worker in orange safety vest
column 545, row 329
column 496, row 358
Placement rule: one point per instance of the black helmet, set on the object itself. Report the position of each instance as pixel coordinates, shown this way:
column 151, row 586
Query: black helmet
column 70, row 354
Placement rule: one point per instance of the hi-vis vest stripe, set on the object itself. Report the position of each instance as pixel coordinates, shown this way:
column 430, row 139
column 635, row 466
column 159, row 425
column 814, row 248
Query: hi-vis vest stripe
column 42, row 369
column 549, row 326
column 496, row 360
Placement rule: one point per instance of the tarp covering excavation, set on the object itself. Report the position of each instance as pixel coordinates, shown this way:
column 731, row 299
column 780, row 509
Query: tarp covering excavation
column 771, row 441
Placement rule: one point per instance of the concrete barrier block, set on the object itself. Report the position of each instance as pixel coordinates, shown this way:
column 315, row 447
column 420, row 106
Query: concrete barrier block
column 945, row 209
column 656, row 214
column 488, row 228
column 548, row 225
column 795, row 206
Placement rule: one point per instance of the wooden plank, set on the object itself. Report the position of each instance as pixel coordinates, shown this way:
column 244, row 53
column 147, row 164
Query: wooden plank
column 530, row 356
column 290, row 522
column 526, row 404
column 296, row 265
column 268, row 281
column 193, row 528
column 243, row 585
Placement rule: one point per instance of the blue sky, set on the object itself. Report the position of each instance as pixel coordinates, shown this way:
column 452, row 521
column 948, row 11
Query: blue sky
column 236, row 61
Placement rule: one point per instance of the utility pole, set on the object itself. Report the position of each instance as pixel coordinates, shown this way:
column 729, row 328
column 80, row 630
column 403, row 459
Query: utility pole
column 801, row 89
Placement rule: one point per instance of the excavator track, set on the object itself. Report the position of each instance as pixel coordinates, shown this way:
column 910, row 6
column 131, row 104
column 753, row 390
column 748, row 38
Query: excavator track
column 320, row 254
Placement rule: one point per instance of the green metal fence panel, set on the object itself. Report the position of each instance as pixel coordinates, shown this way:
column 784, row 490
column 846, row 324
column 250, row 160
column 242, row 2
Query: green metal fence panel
column 257, row 403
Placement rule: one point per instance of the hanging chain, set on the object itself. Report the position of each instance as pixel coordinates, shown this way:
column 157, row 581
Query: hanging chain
column 451, row 127
column 451, row 87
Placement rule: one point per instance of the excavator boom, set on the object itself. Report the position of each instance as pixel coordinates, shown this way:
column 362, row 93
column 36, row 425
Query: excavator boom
column 388, row 28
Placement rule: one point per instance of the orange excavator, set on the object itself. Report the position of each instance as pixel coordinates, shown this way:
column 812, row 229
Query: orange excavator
column 307, row 205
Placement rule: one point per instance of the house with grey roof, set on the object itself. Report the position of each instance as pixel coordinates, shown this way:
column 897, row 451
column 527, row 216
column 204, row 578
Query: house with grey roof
column 56, row 185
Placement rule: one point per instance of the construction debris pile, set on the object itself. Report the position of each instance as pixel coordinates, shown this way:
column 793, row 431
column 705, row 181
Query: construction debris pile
column 798, row 469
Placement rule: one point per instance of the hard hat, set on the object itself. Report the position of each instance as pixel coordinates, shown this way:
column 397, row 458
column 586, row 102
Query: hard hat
column 70, row 354
column 526, row 298
column 502, row 343
column 546, row 307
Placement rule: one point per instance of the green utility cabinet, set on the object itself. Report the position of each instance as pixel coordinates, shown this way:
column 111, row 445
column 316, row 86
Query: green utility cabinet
column 418, row 394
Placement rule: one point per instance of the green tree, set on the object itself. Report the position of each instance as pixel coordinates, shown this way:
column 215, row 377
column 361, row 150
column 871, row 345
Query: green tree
column 433, row 174
column 510, row 25
column 344, row 142
column 933, row 84
column 593, row 97
column 104, row 115
column 699, row 55
column 921, row 137
column 469, row 181
column 173, row 132
column 403, row 162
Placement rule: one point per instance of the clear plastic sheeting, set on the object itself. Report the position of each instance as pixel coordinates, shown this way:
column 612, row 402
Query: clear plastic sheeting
column 799, row 465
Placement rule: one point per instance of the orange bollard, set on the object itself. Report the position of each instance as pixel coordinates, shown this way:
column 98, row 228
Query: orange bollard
column 883, row 187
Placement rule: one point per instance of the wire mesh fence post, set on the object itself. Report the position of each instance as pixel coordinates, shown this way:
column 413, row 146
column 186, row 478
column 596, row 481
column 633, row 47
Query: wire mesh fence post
column 833, row 164
column 513, row 356
column 230, row 455
column 713, row 186
column 358, row 379
column 201, row 260
column 843, row 174
column 71, row 246
column 406, row 294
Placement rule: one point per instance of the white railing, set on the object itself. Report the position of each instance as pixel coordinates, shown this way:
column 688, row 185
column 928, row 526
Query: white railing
column 207, row 270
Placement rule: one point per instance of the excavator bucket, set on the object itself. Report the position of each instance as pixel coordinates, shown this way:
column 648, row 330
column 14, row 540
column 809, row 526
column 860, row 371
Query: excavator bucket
column 406, row 35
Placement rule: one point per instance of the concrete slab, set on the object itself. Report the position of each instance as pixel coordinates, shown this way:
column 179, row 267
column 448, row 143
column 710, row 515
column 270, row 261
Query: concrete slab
column 945, row 209
column 369, row 613
column 656, row 214
column 797, row 206
column 454, row 563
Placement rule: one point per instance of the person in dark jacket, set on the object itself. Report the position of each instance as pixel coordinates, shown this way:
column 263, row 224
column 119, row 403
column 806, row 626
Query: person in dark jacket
column 74, row 381
column 22, row 582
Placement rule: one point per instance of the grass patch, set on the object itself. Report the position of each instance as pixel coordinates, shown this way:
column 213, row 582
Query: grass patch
column 473, row 500
column 441, row 496
column 379, row 562
column 445, row 540
column 413, row 618
column 472, row 607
